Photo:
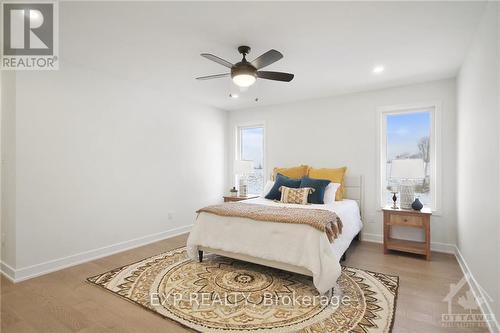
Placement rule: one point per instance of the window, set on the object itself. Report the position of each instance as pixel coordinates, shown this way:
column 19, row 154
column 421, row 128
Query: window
column 410, row 133
column 251, row 148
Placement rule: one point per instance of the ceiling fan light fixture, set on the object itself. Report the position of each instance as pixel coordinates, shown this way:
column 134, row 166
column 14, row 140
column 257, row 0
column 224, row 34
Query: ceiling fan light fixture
column 245, row 73
column 244, row 80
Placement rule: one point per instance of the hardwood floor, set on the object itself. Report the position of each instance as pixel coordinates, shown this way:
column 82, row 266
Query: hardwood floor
column 64, row 302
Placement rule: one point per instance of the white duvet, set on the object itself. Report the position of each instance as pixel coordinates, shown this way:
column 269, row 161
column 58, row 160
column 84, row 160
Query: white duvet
column 296, row 244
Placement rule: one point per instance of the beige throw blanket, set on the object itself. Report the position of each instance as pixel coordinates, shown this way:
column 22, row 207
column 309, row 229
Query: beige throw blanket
column 323, row 220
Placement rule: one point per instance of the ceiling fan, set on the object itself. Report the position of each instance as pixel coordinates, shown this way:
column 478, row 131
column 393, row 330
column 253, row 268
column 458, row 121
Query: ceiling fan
column 245, row 73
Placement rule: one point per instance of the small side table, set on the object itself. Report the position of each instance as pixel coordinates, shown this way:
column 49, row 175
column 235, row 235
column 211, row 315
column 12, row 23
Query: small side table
column 408, row 218
column 228, row 198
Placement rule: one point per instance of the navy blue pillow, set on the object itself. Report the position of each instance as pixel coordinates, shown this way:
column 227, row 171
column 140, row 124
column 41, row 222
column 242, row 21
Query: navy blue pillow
column 281, row 180
column 319, row 186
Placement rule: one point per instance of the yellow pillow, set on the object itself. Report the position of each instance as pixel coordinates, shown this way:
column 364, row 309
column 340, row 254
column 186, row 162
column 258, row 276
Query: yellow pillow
column 293, row 172
column 333, row 175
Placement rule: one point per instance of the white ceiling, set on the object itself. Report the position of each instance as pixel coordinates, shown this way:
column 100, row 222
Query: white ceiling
column 331, row 47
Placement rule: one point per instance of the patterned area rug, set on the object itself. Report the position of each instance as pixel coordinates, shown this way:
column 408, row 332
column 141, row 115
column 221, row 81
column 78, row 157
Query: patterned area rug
column 227, row 295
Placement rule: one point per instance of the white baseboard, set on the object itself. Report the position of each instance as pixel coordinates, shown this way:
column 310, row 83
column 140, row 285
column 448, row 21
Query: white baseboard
column 373, row 238
column 7, row 271
column 435, row 246
column 477, row 291
column 452, row 249
column 25, row 273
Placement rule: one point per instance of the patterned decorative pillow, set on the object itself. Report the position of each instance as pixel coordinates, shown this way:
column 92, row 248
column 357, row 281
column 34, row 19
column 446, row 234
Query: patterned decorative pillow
column 295, row 195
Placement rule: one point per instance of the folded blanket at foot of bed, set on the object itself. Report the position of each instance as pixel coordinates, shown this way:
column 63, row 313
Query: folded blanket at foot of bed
column 323, row 220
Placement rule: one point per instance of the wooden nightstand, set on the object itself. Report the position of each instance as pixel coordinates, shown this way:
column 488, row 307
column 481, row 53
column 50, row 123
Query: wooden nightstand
column 228, row 198
column 408, row 218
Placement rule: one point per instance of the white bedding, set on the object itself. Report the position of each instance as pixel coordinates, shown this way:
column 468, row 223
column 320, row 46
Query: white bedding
column 295, row 244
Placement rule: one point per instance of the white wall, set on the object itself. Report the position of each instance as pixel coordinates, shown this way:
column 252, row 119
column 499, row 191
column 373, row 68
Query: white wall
column 342, row 130
column 101, row 160
column 110, row 151
column 8, row 169
column 478, row 163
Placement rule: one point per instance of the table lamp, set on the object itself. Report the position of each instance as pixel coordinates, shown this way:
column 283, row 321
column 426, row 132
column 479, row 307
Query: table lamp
column 242, row 168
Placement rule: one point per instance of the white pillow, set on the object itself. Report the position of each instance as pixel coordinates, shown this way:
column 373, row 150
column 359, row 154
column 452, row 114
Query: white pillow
column 269, row 185
column 330, row 191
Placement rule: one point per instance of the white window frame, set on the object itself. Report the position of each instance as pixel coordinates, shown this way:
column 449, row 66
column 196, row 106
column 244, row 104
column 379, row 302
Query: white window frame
column 435, row 149
column 238, row 143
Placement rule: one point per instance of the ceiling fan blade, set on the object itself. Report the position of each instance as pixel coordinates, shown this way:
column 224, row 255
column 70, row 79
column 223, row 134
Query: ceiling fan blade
column 266, row 59
column 217, row 59
column 276, row 76
column 215, row 76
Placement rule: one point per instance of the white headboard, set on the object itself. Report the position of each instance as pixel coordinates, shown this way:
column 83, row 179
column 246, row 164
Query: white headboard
column 354, row 190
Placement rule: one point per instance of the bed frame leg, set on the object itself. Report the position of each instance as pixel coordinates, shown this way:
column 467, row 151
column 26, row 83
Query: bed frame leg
column 200, row 256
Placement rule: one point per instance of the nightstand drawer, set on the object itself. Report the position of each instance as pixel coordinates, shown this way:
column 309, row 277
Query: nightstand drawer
column 408, row 220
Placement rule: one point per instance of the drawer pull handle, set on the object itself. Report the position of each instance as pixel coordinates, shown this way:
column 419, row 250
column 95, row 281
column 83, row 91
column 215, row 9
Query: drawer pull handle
column 406, row 220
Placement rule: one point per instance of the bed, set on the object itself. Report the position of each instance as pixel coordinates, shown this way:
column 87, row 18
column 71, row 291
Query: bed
column 290, row 247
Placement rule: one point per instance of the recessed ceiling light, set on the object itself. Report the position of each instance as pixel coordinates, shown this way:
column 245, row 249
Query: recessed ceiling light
column 233, row 96
column 378, row 69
